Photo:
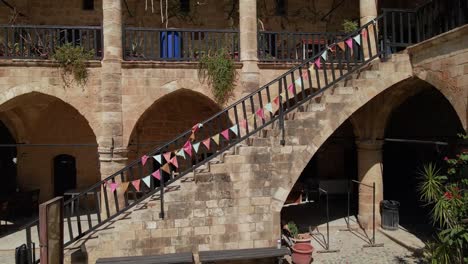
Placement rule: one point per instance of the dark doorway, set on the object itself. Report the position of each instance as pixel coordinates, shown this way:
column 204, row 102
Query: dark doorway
column 427, row 116
column 64, row 174
column 7, row 161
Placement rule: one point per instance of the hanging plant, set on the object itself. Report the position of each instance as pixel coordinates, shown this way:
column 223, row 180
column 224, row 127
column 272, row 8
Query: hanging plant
column 72, row 61
column 219, row 71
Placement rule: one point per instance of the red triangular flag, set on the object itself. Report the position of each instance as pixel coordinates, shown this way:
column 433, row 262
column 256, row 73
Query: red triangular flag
column 136, row 184
column 207, row 142
column 225, row 134
column 276, row 100
column 174, row 162
column 144, row 158
column 260, row 113
column 188, row 148
column 167, row 156
column 243, row 123
column 157, row 174
column 364, row 33
column 113, row 186
column 195, row 128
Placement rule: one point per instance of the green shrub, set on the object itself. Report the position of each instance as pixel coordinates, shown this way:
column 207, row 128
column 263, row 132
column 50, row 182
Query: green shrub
column 72, row 60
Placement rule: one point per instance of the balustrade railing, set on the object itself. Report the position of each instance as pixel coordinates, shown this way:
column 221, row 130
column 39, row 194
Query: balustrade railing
column 178, row 44
column 40, row 42
column 293, row 46
column 403, row 27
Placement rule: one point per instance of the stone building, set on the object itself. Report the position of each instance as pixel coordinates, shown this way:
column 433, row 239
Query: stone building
column 143, row 89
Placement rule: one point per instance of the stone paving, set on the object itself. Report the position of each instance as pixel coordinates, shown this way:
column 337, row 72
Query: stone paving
column 352, row 251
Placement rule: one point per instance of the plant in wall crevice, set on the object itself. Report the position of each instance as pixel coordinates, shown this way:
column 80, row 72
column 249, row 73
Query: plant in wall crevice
column 72, row 61
column 218, row 70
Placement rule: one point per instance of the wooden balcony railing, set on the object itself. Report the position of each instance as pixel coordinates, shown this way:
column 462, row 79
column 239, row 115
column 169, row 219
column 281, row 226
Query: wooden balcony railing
column 40, row 42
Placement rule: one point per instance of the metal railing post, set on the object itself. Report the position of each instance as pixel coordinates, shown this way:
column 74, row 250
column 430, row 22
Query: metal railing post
column 281, row 120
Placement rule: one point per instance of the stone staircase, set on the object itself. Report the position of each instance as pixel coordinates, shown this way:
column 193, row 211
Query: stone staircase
column 230, row 201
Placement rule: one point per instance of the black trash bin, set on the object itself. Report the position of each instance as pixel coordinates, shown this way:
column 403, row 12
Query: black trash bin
column 22, row 255
column 390, row 215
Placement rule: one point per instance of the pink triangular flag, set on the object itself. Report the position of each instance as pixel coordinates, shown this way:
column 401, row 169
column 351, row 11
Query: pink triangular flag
column 144, row 158
column 318, row 63
column 136, row 184
column 113, row 186
column 207, row 142
column 167, row 156
column 349, row 42
column 260, row 113
column 276, row 100
column 174, row 162
column 188, row 148
column 243, row 123
column 225, row 134
column 364, row 33
column 195, row 127
column 157, row 174
column 291, row 88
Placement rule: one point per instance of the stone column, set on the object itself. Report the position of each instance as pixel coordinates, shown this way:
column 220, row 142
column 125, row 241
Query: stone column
column 250, row 75
column 368, row 12
column 370, row 169
column 110, row 139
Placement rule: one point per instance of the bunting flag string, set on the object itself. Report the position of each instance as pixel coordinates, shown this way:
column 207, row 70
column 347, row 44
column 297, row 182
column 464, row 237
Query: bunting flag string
column 113, row 186
column 317, row 63
column 144, row 158
column 243, row 123
column 124, row 186
column 157, row 174
column 349, row 42
column 174, row 162
column 276, row 100
column 357, row 39
column 167, row 156
column 291, row 88
column 341, row 45
column 225, row 134
column 364, row 33
column 158, row 158
column 298, row 82
column 269, row 108
column 324, row 55
column 181, row 153
column 196, row 146
column 216, row 139
column 251, row 121
column 147, row 181
column 188, row 148
column 235, row 129
column 136, row 184
column 260, row 113
column 207, row 142
column 166, row 168
column 196, row 127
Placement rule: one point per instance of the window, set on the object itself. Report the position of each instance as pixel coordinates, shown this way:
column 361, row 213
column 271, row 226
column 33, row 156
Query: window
column 88, row 4
column 281, row 7
column 185, row 6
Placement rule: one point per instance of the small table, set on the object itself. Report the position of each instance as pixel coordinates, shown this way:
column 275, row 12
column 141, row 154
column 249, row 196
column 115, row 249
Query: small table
column 75, row 192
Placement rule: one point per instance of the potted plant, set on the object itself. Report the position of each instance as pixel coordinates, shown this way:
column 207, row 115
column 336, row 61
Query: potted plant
column 349, row 26
column 302, row 249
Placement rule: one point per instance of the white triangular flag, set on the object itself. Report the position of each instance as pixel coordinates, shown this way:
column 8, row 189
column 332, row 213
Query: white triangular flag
column 357, row 39
column 196, row 146
column 325, row 55
column 158, row 158
column 181, row 153
column 269, row 107
column 234, row 129
column 147, row 181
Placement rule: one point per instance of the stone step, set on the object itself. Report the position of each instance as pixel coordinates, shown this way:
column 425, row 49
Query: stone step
column 343, row 90
column 246, row 150
column 338, row 98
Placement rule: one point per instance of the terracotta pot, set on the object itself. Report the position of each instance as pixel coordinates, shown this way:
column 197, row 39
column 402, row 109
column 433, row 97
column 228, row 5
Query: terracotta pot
column 303, row 238
column 302, row 253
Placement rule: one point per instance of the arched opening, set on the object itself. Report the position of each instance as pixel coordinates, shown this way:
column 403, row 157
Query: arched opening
column 423, row 118
column 46, row 127
column 64, row 174
column 168, row 117
column 7, row 160
column 330, row 169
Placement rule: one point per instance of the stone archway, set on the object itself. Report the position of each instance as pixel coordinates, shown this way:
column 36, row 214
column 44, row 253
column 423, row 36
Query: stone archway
column 168, row 117
column 44, row 126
